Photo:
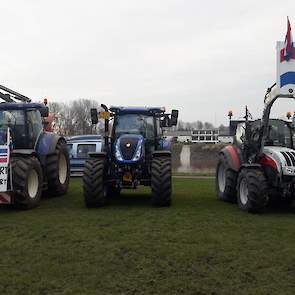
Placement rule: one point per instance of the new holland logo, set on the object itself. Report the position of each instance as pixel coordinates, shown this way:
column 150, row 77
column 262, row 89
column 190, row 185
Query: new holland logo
column 128, row 145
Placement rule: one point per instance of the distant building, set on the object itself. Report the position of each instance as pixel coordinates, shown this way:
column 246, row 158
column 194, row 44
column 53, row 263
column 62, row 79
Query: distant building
column 212, row 136
column 205, row 136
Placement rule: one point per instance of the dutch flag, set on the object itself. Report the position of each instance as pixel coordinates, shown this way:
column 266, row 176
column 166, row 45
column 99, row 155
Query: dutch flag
column 288, row 51
column 287, row 59
column 4, row 155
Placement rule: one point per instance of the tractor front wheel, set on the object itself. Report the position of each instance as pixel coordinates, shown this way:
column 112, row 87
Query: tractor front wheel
column 94, row 186
column 27, row 181
column 252, row 190
column 161, row 181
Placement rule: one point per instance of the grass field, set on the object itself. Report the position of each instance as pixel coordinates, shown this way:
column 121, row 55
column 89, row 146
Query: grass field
column 198, row 246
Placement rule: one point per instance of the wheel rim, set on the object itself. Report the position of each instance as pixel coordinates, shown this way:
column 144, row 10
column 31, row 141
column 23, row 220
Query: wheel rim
column 62, row 169
column 244, row 191
column 33, row 184
column 221, row 178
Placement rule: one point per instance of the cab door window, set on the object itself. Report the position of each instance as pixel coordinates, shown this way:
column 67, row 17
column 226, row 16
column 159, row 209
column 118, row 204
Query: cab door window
column 34, row 126
column 84, row 149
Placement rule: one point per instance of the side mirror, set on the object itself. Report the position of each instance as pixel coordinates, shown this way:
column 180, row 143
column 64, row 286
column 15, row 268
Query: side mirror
column 174, row 118
column 165, row 122
column 94, row 116
column 44, row 111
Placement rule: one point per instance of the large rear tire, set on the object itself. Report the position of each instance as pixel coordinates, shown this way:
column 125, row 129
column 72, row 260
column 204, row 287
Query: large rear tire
column 161, row 182
column 252, row 190
column 58, row 170
column 94, row 186
column 27, row 182
column 225, row 181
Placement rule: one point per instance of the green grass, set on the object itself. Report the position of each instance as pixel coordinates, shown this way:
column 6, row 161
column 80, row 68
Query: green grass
column 198, row 246
column 197, row 174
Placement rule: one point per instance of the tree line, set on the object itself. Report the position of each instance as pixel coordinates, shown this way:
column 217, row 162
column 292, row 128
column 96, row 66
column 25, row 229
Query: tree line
column 73, row 118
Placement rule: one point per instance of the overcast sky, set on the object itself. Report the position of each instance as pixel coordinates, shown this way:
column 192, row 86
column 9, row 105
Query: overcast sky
column 201, row 57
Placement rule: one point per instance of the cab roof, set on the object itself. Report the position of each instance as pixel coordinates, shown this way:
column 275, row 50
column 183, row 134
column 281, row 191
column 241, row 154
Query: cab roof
column 20, row 106
column 136, row 110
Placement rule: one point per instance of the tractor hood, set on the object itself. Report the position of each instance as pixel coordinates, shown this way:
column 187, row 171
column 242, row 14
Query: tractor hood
column 129, row 148
column 283, row 157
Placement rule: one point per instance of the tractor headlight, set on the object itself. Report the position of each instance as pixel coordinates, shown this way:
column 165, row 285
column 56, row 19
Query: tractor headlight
column 117, row 151
column 137, row 154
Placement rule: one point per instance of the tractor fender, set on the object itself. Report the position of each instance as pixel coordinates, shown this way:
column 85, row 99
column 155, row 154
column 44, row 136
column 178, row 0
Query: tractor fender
column 232, row 156
column 47, row 142
column 98, row 155
column 165, row 145
column 25, row 153
column 161, row 154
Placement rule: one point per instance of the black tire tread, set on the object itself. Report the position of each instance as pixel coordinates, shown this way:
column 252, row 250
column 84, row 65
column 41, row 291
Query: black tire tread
column 161, row 182
column 93, row 183
column 257, row 190
column 20, row 168
column 54, row 185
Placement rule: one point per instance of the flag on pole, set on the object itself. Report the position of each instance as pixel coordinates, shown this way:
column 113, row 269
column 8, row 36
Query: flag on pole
column 286, row 63
column 288, row 52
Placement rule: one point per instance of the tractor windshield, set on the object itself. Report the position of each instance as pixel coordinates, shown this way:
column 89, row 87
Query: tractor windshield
column 279, row 133
column 15, row 120
column 134, row 124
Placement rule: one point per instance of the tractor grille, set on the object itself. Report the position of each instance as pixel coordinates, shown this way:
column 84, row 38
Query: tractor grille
column 289, row 157
column 128, row 152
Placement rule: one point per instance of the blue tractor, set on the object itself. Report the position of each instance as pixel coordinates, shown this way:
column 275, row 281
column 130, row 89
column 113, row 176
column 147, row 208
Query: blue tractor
column 32, row 161
column 134, row 153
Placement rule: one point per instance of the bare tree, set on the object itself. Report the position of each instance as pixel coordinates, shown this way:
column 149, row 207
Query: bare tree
column 73, row 118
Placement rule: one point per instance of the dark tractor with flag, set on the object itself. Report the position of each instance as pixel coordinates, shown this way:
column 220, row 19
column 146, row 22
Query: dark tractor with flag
column 259, row 168
column 134, row 152
column 32, row 161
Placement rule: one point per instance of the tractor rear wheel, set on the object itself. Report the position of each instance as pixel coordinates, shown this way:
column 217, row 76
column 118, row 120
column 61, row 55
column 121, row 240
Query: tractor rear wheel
column 94, row 186
column 225, row 181
column 252, row 190
column 58, row 170
column 161, row 181
column 27, row 182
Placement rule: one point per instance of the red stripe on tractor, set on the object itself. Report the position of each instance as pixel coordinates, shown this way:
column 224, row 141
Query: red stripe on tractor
column 234, row 155
column 267, row 161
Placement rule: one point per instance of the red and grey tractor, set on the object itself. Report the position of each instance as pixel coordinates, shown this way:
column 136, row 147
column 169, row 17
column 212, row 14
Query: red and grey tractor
column 32, row 161
column 259, row 167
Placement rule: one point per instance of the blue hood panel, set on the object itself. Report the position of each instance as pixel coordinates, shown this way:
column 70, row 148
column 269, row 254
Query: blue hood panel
column 129, row 148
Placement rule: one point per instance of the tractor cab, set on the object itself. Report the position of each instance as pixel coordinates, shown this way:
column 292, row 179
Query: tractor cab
column 135, row 133
column 24, row 122
column 279, row 133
